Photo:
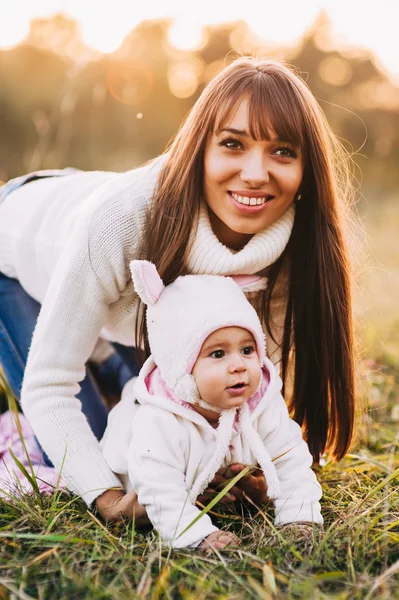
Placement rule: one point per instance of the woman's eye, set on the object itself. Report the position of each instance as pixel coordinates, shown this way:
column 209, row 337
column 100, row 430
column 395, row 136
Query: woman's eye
column 286, row 152
column 217, row 354
column 231, row 143
column 248, row 350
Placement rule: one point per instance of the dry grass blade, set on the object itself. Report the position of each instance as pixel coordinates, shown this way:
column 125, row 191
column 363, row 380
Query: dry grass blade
column 381, row 579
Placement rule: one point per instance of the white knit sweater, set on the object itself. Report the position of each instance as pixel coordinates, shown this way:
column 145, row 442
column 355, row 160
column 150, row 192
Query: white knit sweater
column 69, row 241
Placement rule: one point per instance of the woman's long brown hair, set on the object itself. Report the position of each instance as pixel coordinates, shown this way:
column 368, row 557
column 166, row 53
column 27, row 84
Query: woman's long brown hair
column 317, row 344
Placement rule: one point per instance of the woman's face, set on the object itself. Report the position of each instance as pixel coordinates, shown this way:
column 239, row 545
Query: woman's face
column 248, row 184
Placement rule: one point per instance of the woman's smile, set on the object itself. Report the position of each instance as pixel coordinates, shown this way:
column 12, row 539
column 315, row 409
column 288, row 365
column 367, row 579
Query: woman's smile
column 249, row 202
column 248, row 183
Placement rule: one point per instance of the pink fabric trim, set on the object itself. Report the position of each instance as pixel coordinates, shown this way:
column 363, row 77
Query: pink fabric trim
column 12, row 481
column 243, row 280
column 157, row 387
column 257, row 397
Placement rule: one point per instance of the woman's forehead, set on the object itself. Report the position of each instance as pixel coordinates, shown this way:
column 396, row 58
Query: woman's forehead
column 259, row 121
column 233, row 114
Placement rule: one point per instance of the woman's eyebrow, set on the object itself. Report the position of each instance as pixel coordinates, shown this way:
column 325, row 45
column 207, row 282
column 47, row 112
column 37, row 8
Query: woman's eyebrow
column 243, row 132
column 234, row 131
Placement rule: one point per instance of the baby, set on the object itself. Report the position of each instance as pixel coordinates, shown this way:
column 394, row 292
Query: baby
column 208, row 397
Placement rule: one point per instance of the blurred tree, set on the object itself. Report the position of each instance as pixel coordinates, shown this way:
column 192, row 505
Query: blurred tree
column 59, row 34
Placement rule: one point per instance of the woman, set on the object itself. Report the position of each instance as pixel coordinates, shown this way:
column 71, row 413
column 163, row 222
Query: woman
column 254, row 151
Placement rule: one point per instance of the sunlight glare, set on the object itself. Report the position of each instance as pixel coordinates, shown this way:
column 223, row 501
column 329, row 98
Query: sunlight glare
column 276, row 28
column 186, row 34
column 106, row 37
column 13, row 31
column 359, row 23
column 104, row 26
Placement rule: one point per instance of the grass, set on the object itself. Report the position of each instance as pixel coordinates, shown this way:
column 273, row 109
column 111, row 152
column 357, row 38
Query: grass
column 53, row 547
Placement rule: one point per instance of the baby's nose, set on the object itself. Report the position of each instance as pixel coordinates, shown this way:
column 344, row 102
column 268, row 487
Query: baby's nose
column 238, row 364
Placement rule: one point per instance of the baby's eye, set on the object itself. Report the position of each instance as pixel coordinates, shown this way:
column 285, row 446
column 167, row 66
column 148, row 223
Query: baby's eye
column 231, row 143
column 217, row 354
column 286, row 152
column 248, row 350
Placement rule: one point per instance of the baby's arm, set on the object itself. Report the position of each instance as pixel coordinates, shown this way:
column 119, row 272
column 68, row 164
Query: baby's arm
column 300, row 490
column 157, row 461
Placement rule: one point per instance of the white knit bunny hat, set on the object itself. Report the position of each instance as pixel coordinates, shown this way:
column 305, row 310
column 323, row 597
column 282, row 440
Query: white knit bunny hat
column 183, row 314
column 180, row 317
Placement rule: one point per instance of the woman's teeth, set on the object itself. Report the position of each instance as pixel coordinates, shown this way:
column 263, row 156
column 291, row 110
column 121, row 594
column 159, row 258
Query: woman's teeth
column 250, row 201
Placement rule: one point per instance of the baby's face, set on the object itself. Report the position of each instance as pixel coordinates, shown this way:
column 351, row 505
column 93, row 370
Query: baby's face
column 227, row 371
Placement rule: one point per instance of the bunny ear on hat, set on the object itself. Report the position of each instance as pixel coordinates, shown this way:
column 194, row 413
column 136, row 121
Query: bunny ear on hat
column 146, row 280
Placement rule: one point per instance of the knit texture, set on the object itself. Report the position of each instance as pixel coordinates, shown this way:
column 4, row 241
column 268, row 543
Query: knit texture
column 69, row 241
column 209, row 256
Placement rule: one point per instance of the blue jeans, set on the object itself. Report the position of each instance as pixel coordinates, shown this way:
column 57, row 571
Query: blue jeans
column 18, row 316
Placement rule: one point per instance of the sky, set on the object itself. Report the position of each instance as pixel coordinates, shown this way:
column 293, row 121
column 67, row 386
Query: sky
column 371, row 25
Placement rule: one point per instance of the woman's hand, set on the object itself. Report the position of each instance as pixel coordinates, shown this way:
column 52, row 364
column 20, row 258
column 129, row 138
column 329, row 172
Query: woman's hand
column 252, row 486
column 112, row 505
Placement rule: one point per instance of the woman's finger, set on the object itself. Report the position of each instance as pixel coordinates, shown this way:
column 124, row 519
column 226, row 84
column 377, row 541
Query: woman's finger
column 209, row 494
column 219, row 479
column 233, row 470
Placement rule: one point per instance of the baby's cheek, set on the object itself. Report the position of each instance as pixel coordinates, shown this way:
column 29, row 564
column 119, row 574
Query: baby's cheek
column 257, row 378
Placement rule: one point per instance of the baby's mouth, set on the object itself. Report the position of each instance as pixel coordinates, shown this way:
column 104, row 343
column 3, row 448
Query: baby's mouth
column 238, row 386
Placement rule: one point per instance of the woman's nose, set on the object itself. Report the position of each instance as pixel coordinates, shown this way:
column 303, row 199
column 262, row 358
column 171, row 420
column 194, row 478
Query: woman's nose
column 255, row 170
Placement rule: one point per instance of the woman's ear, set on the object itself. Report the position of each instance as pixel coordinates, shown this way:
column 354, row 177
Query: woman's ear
column 146, row 280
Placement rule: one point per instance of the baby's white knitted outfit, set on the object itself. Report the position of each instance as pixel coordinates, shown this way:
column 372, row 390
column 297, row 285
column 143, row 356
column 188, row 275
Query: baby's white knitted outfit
column 169, row 453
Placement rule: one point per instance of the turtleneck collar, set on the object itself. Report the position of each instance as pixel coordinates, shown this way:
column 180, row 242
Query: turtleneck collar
column 208, row 256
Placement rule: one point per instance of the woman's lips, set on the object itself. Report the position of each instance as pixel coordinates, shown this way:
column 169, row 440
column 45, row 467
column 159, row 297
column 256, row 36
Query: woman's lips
column 252, row 202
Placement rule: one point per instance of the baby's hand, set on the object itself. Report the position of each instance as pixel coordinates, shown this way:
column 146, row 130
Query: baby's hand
column 219, row 540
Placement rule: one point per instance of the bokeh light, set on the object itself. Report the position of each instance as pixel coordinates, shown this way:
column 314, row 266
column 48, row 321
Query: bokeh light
column 335, row 70
column 184, row 77
column 129, row 81
column 186, row 34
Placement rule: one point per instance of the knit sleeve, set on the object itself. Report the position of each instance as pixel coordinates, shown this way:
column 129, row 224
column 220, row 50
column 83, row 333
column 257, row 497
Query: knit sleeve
column 90, row 277
column 157, row 461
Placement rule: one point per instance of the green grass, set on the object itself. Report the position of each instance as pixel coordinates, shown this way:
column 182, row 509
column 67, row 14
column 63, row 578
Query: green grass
column 53, row 547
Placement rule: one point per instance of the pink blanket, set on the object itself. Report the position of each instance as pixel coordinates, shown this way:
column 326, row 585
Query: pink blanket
column 13, row 482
